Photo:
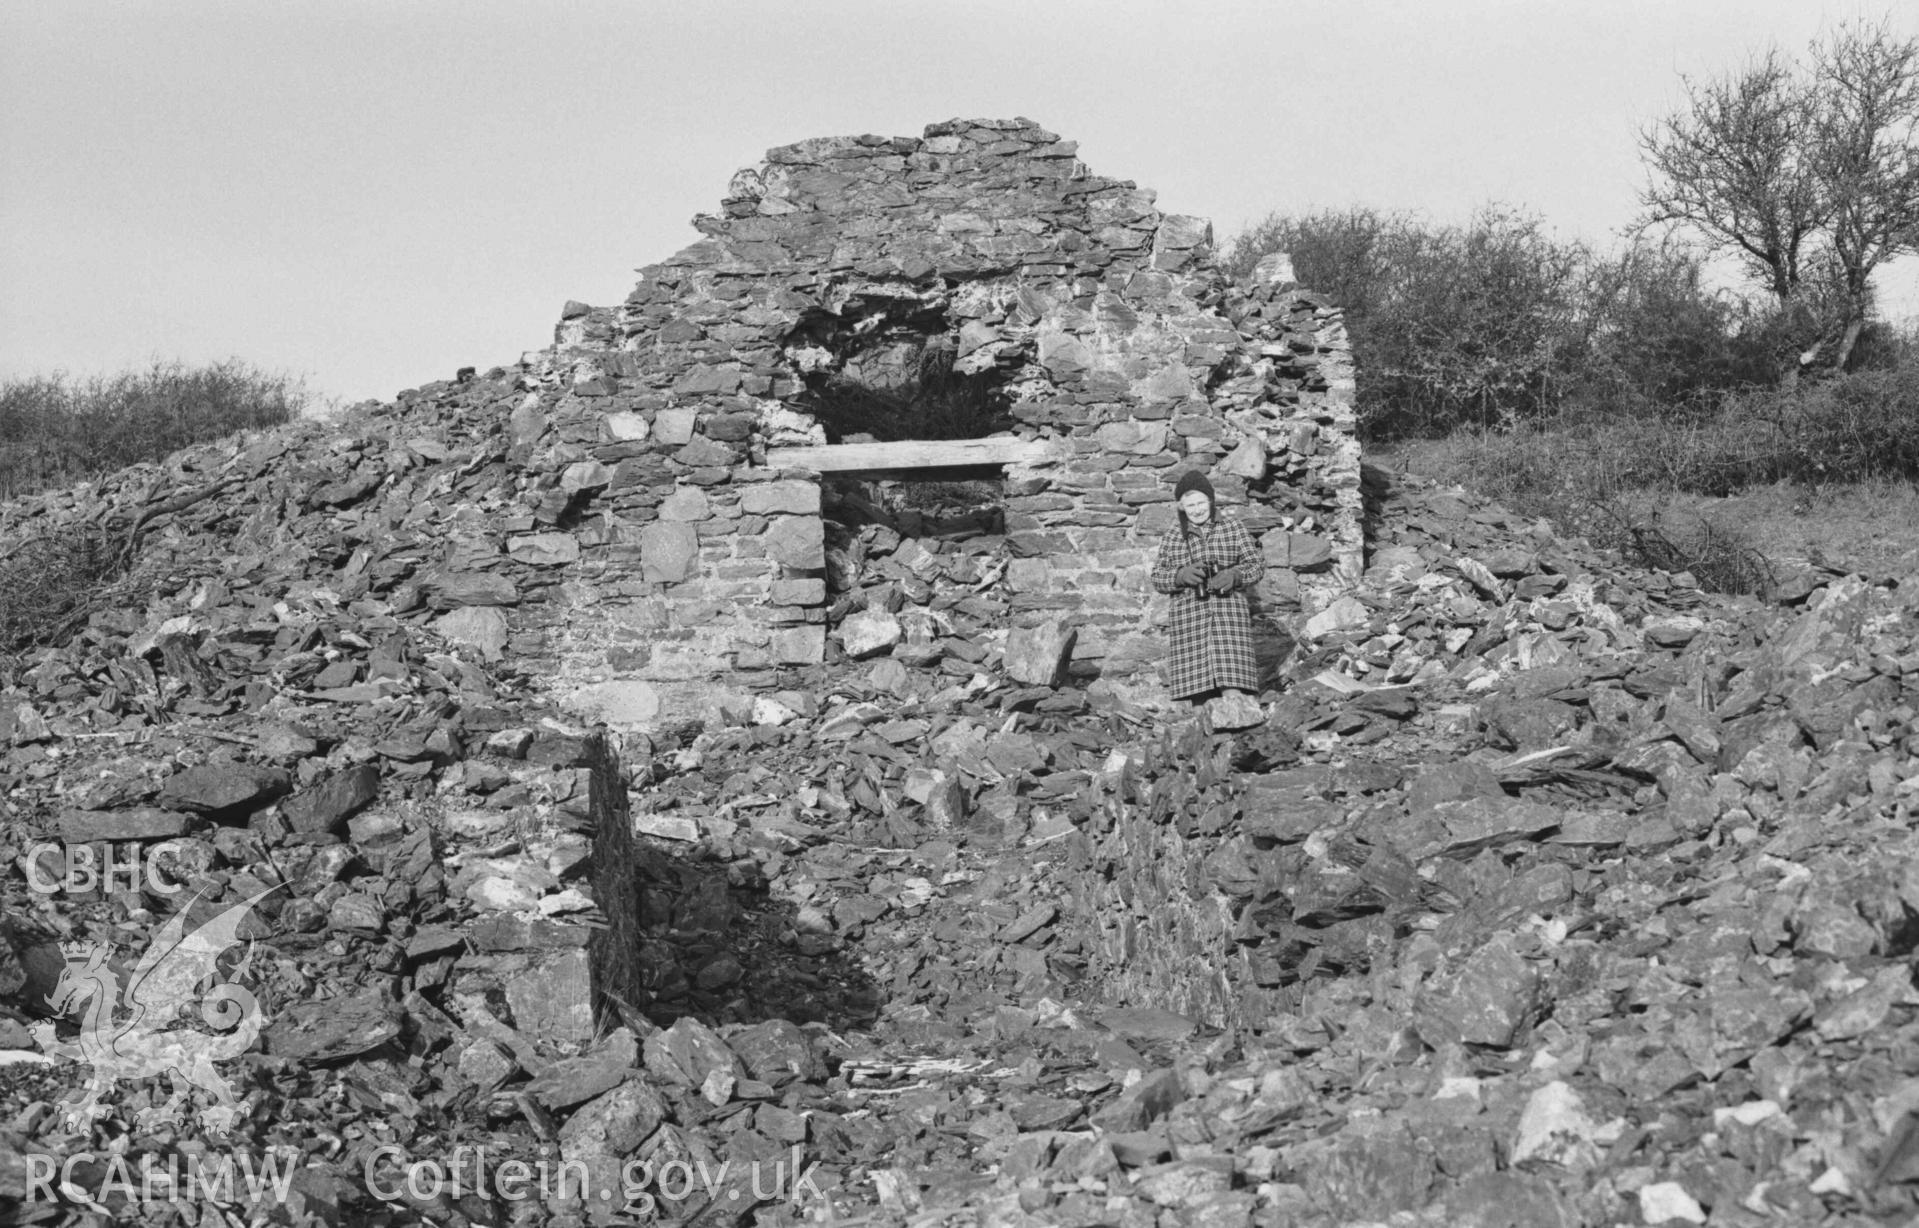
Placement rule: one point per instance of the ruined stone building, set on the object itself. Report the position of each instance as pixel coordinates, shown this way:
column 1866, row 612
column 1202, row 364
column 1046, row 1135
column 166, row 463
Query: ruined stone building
column 1101, row 335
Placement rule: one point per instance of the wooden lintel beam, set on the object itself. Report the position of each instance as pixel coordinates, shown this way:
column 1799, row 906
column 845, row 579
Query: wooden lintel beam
column 910, row 454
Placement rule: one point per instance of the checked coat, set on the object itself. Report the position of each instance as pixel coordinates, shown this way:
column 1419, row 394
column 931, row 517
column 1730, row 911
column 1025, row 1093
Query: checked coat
column 1212, row 633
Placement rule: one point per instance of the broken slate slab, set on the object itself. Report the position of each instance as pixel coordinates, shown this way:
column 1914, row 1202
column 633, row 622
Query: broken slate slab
column 283, row 743
column 485, row 1065
column 1667, row 1202
column 688, row 1052
column 1451, row 782
column 1185, row 1183
column 347, row 490
column 1237, row 710
column 1491, row 996
column 1138, row 1148
column 576, row 1080
column 775, row 1048
column 1149, row 1023
column 333, row 1028
column 544, row 549
column 455, row 589
column 1282, row 813
column 553, row 1000
column 1344, row 614
column 1142, row 1104
column 1593, row 828
column 1487, row 823
column 1038, row 656
column 224, row 790
column 600, row 1136
column 431, row 940
column 507, row 932
column 1673, row 632
column 1399, row 703
column 867, row 633
column 1029, row 923
column 140, row 823
column 1555, row 1127
column 324, row 809
column 480, row 627
column 1044, row 1112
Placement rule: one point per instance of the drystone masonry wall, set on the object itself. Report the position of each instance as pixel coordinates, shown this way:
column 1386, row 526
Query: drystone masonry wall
column 1107, row 326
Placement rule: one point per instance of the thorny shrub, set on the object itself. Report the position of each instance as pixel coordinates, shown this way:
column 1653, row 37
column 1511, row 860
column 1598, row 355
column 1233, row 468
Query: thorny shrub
column 50, row 582
column 56, row 429
column 1499, row 321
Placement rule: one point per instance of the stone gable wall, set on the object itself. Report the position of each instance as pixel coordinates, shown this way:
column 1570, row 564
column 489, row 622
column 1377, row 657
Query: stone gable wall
column 1108, row 324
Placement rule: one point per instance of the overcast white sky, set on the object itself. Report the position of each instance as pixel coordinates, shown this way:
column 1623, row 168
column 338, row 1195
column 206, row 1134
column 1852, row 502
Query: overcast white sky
column 373, row 193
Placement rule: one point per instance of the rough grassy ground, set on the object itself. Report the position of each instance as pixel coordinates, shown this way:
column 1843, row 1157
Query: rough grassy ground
column 1869, row 527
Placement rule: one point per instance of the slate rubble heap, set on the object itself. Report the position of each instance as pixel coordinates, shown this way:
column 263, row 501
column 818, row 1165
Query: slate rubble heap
column 1554, row 892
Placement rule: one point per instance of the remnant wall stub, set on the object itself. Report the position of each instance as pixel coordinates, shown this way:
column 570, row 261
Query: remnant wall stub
column 1109, row 325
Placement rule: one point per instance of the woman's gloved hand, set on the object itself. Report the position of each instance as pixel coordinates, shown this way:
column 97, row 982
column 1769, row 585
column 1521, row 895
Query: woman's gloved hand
column 1225, row 580
column 1189, row 576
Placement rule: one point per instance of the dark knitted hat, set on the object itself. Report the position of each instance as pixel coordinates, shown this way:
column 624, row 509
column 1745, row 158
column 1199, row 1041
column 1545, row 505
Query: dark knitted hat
column 1193, row 479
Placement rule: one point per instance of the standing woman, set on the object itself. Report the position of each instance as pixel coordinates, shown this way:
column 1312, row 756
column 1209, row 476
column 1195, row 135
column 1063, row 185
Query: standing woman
column 1207, row 564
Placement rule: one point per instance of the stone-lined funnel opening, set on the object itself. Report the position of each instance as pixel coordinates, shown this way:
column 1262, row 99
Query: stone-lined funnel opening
column 887, row 369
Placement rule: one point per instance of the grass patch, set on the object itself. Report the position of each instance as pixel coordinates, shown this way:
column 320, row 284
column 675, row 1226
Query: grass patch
column 1871, row 527
column 1823, row 475
column 1607, row 485
column 56, row 430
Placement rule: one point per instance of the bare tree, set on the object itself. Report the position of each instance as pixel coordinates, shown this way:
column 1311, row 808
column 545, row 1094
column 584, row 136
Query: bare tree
column 1865, row 152
column 1808, row 173
column 1732, row 165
